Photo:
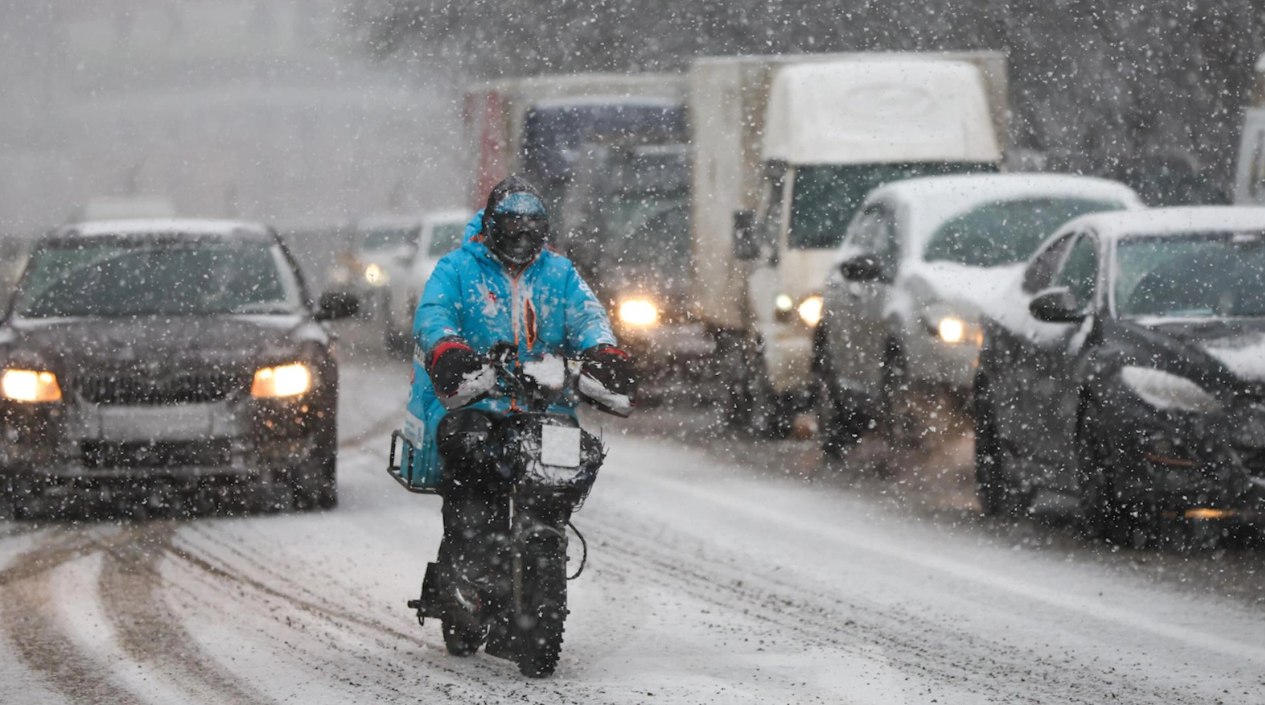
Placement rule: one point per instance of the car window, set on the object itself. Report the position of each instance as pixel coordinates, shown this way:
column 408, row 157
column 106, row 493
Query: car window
column 445, row 238
column 1041, row 271
column 1191, row 276
column 1079, row 272
column 1003, row 232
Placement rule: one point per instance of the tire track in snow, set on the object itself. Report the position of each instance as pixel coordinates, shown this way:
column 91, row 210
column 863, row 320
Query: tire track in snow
column 131, row 588
column 993, row 670
column 27, row 616
column 487, row 677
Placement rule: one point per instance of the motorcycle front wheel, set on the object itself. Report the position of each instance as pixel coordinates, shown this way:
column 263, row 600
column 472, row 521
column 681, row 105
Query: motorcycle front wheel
column 543, row 607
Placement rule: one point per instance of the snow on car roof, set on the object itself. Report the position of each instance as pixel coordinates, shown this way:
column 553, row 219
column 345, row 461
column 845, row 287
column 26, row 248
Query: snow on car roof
column 1171, row 221
column 164, row 226
column 932, row 200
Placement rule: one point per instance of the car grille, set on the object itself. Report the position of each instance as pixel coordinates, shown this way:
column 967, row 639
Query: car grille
column 152, row 454
column 140, row 389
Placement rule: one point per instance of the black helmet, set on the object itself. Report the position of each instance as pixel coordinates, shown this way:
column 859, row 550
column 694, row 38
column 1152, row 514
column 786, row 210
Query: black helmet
column 515, row 222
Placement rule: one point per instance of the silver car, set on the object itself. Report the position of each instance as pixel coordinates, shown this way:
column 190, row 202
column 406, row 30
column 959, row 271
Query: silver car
column 919, row 264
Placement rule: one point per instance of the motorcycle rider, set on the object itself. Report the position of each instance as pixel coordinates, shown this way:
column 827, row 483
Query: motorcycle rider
column 501, row 286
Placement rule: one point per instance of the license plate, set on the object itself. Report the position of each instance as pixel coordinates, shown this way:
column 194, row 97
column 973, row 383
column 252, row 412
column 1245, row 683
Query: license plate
column 158, row 423
column 560, row 446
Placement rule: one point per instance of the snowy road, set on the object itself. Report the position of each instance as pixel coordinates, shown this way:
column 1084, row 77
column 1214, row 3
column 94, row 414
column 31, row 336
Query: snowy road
column 716, row 575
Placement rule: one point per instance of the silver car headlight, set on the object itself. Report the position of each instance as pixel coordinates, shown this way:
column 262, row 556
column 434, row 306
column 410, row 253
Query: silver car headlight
column 1165, row 390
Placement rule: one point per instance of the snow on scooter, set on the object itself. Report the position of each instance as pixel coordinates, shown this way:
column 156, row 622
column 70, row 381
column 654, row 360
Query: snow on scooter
column 547, row 464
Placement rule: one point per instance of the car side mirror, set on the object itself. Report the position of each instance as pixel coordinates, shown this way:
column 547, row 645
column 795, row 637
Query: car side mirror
column 863, row 268
column 745, row 246
column 335, row 305
column 1056, row 305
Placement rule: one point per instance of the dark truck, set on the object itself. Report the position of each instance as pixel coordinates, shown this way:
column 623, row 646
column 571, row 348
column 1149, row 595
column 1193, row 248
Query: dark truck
column 625, row 222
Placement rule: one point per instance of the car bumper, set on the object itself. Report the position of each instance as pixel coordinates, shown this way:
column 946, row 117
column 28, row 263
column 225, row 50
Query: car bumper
column 932, row 361
column 1219, row 472
column 667, row 343
column 100, row 444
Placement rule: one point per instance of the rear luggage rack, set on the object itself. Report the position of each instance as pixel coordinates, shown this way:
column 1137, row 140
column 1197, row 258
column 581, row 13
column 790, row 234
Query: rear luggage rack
column 396, row 470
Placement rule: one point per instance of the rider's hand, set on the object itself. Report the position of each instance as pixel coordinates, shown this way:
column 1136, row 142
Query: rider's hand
column 612, row 367
column 451, row 362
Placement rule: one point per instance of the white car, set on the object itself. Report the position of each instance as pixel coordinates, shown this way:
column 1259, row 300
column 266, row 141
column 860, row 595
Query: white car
column 439, row 233
column 919, row 264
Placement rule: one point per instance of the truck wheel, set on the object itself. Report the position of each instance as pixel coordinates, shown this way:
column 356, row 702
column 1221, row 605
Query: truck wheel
column 8, row 502
column 544, row 608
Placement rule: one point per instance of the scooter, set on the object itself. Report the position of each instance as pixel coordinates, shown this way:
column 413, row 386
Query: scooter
column 548, row 464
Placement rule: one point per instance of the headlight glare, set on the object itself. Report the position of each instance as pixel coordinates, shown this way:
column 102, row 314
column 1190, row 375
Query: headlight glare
column 1165, row 390
column 952, row 329
column 809, row 310
column 375, row 274
column 30, row 386
column 638, row 312
column 784, row 303
column 282, row 381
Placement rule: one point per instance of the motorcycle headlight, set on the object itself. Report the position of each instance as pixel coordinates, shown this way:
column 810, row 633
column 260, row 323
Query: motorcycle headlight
column 638, row 312
column 282, row 381
column 1165, row 390
column 809, row 310
column 30, row 385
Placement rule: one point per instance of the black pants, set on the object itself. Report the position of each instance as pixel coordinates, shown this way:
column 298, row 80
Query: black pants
column 476, row 505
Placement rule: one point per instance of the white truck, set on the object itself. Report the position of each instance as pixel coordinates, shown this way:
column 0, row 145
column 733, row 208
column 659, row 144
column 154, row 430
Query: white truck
column 785, row 150
column 1249, row 182
column 532, row 126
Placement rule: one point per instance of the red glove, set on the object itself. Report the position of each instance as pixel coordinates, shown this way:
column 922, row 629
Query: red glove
column 612, row 367
column 450, row 362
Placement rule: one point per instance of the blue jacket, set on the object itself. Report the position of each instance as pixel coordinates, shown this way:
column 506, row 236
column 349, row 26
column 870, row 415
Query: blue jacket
column 547, row 308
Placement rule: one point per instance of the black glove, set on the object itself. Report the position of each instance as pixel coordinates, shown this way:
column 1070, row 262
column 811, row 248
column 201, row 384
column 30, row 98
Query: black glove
column 612, row 367
column 450, row 362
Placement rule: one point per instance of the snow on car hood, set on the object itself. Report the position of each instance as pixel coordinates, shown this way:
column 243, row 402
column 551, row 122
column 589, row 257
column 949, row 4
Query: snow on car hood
column 1239, row 345
column 970, row 290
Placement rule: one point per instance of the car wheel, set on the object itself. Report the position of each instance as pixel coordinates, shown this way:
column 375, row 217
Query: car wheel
column 315, row 484
column 996, row 493
column 1102, row 515
column 839, row 421
column 898, row 418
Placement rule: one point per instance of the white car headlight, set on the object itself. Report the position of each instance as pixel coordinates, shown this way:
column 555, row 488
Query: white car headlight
column 282, row 381
column 1165, row 390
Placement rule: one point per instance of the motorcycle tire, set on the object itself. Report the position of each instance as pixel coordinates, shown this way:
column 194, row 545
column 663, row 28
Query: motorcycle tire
column 461, row 639
column 544, row 607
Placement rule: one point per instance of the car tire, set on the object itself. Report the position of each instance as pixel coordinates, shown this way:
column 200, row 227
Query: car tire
column 1102, row 515
column 993, row 486
column 898, row 419
column 840, row 422
column 315, row 484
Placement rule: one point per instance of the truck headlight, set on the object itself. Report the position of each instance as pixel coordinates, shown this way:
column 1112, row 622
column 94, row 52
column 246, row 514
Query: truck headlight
column 282, row 381
column 1165, row 390
column 638, row 312
column 809, row 310
column 30, row 386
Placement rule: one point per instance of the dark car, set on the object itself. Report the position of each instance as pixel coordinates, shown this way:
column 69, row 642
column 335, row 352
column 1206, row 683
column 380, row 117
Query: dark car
column 1128, row 375
column 184, row 354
